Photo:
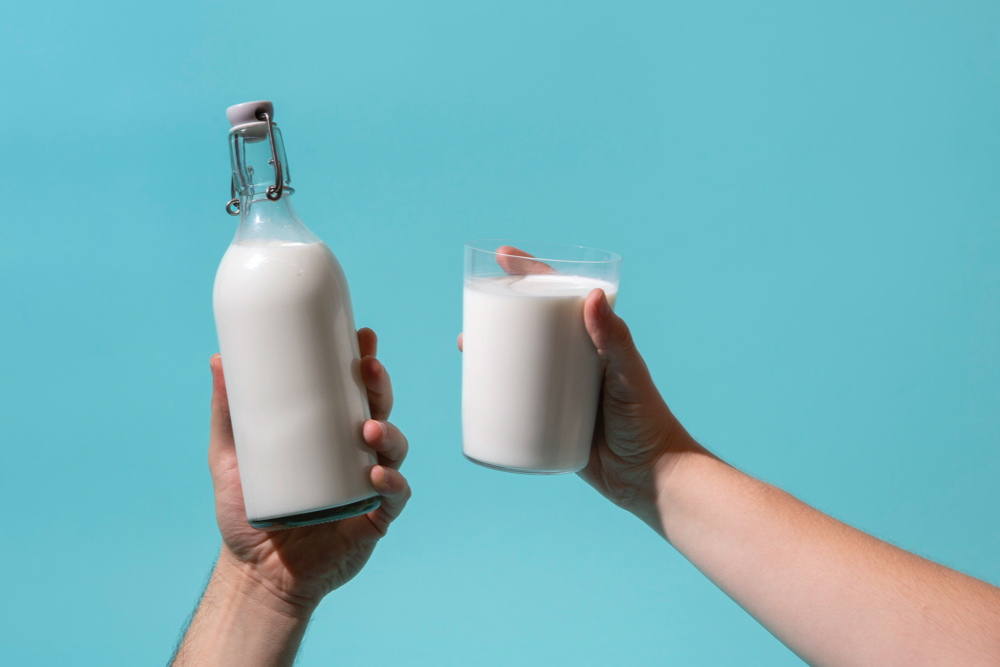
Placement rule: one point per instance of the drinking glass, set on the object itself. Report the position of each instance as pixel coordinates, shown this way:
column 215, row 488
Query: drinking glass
column 531, row 377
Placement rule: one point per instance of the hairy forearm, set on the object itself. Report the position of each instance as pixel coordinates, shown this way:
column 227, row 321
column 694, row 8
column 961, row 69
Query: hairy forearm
column 240, row 622
column 831, row 593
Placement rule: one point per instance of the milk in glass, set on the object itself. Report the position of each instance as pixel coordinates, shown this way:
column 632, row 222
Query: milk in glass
column 531, row 377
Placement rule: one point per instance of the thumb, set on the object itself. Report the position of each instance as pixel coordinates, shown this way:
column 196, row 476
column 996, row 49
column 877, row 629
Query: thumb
column 221, row 446
column 626, row 376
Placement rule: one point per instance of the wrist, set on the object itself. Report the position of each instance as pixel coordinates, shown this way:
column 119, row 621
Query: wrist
column 246, row 587
column 679, row 453
column 241, row 621
column 676, row 475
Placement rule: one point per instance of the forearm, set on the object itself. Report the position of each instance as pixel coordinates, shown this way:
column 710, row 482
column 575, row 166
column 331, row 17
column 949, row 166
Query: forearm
column 240, row 622
column 832, row 594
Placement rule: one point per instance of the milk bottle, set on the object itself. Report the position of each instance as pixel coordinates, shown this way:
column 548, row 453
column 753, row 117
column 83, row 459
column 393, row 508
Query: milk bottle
column 289, row 347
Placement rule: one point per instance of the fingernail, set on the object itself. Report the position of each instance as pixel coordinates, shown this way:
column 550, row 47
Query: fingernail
column 385, row 429
column 376, row 366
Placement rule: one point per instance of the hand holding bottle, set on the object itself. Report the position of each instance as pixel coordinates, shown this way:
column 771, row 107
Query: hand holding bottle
column 266, row 585
column 304, row 564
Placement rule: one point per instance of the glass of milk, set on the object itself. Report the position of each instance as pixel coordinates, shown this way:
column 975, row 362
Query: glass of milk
column 531, row 377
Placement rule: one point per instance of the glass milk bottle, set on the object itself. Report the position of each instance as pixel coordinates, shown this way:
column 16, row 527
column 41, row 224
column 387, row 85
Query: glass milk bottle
column 289, row 347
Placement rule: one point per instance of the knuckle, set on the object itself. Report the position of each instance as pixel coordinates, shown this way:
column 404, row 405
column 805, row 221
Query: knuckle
column 622, row 337
column 400, row 488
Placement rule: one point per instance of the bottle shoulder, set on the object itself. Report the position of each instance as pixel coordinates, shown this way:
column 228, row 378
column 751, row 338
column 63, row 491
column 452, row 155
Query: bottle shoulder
column 278, row 267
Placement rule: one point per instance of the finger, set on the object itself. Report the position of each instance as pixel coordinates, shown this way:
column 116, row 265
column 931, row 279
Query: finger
column 395, row 491
column 516, row 262
column 387, row 441
column 459, row 342
column 367, row 341
column 379, row 387
column 221, row 446
column 625, row 372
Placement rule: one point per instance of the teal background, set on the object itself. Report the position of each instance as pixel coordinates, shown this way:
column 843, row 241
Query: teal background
column 805, row 197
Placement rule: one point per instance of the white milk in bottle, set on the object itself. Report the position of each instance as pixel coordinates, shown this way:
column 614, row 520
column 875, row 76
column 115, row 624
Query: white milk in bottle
column 289, row 348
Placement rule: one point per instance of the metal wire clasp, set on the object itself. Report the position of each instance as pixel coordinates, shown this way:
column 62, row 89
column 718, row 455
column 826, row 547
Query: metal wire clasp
column 233, row 205
column 273, row 191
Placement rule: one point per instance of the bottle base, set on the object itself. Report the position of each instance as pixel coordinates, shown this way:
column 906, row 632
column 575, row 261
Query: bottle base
column 523, row 471
column 319, row 516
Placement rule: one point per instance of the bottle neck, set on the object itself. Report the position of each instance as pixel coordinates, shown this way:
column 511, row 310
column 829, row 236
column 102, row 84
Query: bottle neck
column 253, row 159
column 264, row 220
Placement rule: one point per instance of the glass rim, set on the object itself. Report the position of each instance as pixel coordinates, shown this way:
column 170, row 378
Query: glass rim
column 612, row 256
